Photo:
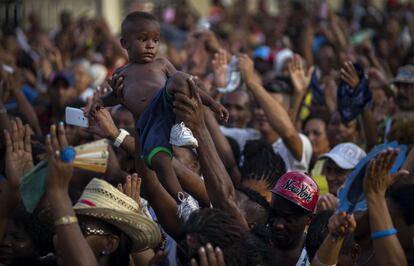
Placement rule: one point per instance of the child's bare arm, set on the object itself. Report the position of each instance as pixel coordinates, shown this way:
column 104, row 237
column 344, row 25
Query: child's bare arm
column 216, row 107
column 110, row 94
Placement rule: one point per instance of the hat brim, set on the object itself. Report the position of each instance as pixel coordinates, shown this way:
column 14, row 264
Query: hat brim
column 402, row 80
column 143, row 232
column 292, row 201
column 338, row 161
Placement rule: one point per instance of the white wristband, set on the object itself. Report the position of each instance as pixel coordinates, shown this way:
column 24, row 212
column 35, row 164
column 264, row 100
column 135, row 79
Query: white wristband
column 122, row 135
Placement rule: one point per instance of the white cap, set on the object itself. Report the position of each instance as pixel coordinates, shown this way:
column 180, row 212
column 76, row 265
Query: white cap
column 345, row 155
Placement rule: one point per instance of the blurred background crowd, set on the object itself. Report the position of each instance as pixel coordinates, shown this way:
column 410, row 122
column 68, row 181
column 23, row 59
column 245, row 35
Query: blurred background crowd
column 342, row 71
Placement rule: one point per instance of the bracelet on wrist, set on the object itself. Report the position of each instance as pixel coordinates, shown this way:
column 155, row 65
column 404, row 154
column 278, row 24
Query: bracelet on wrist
column 383, row 233
column 68, row 219
column 121, row 137
column 320, row 263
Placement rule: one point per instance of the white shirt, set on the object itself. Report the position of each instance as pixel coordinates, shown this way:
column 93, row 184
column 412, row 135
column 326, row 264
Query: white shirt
column 242, row 135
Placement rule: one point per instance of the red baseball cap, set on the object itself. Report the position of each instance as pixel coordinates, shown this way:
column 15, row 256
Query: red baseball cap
column 298, row 188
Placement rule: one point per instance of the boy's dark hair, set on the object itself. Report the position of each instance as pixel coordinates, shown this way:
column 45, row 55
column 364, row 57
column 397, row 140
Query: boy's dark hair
column 403, row 197
column 134, row 17
column 261, row 163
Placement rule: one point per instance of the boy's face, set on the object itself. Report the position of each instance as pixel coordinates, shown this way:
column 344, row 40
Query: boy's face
column 142, row 41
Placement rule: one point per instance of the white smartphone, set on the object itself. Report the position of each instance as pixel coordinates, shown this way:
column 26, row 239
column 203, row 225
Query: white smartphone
column 75, row 117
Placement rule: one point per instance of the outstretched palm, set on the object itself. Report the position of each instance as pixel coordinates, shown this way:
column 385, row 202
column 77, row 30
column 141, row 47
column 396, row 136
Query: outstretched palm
column 19, row 158
column 300, row 78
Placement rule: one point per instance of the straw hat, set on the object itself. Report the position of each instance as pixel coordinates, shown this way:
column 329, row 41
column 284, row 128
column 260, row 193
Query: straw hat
column 103, row 201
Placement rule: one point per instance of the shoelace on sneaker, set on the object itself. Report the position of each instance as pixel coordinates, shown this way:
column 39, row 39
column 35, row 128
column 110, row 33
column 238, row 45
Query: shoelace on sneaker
column 188, row 205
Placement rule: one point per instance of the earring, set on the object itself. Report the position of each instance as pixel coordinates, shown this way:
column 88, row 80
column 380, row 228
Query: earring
column 103, row 252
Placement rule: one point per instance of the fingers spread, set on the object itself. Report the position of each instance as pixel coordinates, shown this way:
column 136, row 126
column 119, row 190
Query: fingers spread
column 27, row 139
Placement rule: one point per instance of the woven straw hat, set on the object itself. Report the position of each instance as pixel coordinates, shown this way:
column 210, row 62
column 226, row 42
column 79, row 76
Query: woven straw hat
column 103, row 201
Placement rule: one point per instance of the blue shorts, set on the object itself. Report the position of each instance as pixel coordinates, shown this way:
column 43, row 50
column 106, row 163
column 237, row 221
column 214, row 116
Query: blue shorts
column 154, row 126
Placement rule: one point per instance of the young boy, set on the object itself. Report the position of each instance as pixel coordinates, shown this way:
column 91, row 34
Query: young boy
column 147, row 91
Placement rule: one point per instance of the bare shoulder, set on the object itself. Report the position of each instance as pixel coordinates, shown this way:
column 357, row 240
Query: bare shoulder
column 167, row 66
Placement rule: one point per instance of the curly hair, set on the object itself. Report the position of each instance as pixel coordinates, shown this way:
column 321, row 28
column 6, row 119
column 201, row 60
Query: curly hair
column 261, row 163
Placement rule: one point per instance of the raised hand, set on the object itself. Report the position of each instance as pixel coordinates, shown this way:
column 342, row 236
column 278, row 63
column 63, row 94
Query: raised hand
column 349, row 74
column 221, row 111
column 209, row 256
column 132, row 188
column 327, row 202
column 341, row 224
column 19, row 158
column 246, row 67
column 191, row 110
column 59, row 172
column 219, row 64
column 102, row 125
column 377, row 178
column 299, row 76
column 95, row 102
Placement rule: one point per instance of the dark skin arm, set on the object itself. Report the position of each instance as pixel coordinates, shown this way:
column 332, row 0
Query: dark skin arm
column 278, row 117
column 300, row 79
column 163, row 204
column 74, row 247
column 388, row 250
column 191, row 183
column 350, row 76
column 25, row 108
column 18, row 162
column 108, row 95
column 218, row 183
column 223, row 147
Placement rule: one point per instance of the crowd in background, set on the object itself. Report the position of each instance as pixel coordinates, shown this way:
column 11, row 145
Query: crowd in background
column 320, row 90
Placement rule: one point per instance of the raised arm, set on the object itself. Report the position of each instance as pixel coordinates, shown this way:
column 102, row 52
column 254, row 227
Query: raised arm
column 300, row 79
column 218, row 183
column 388, row 250
column 350, row 76
column 340, row 225
column 278, row 117
column 164, row 205
column 191, row 182
column 106, row 96
column 18, row 162
column 25, row 108
column 74, row 247
column 223, row 147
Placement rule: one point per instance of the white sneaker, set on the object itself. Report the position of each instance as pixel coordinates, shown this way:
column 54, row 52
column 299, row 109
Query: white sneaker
column 188, row 206
column 182, row 136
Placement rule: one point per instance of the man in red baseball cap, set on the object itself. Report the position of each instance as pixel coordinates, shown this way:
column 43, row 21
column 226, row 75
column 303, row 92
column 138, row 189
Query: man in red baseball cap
column 294, row 200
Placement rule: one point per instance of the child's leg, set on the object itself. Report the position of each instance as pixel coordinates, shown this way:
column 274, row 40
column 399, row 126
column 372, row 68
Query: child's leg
column 180, row 134
column 162, row 165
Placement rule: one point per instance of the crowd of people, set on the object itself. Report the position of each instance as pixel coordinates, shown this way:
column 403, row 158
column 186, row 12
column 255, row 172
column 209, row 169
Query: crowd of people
column 234, row 139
